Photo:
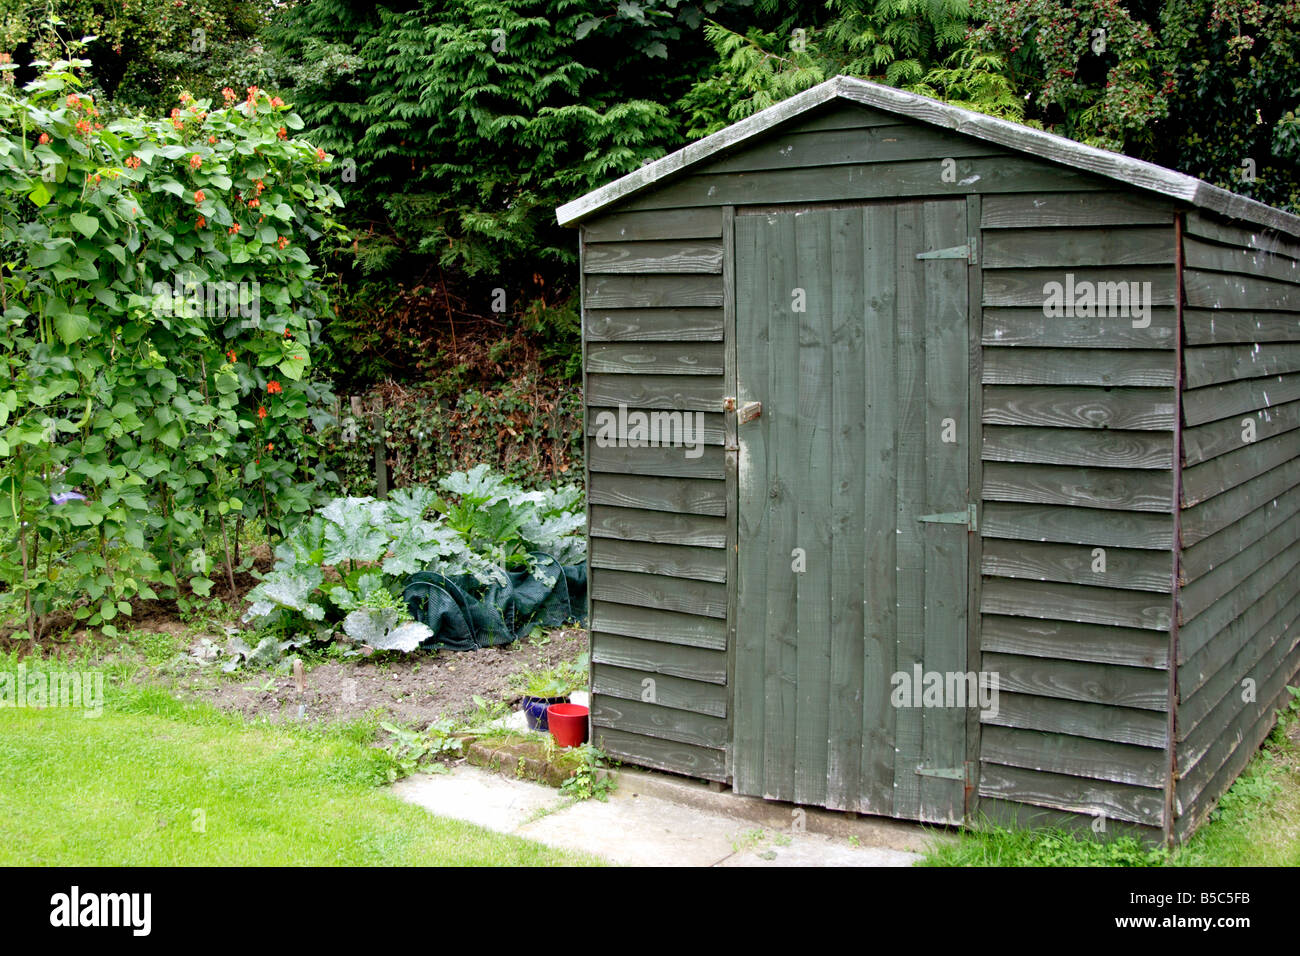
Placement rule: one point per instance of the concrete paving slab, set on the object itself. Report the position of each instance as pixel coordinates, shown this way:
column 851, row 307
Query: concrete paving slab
column 650, row 820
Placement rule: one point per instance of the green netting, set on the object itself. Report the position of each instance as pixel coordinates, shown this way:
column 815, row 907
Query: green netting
column 465, row 614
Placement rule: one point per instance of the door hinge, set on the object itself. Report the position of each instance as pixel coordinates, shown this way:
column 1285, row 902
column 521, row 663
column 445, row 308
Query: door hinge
column 729, row 404
column 966, row 252
column 966, row 517
column 749, row 411
column 947, row 773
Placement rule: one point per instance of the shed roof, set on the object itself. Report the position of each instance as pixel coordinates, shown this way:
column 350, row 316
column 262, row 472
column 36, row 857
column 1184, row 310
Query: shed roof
column 1125, row 169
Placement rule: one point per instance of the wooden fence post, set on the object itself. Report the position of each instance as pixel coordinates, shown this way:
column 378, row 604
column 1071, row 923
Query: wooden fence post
column 381, row 453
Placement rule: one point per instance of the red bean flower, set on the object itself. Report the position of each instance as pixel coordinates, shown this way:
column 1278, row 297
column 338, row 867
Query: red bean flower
column 133, row 162
column 273, row 387
column 282, row 133
column 45, row 138
column 198, row 196
column 261, row 411
column 196, row 161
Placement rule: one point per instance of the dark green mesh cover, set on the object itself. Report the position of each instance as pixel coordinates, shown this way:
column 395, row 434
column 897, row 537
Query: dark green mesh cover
column 465, row 614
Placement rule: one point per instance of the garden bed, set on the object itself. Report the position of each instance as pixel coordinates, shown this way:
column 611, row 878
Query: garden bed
column 414, row 689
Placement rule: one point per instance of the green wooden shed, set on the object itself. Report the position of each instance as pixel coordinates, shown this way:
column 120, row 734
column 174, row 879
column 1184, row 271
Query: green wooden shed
column 939, row 468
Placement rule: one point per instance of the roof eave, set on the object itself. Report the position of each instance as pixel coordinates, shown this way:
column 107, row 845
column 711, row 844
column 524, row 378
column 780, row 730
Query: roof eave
column 1131, row 172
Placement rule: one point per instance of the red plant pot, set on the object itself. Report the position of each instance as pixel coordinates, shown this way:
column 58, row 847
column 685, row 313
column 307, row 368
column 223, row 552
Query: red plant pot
column 568, row 723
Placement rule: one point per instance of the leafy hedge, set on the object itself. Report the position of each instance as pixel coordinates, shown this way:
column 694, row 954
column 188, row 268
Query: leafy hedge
column 158, row 323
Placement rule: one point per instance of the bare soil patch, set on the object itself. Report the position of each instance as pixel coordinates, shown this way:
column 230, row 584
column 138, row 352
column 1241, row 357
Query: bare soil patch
column 414, row 689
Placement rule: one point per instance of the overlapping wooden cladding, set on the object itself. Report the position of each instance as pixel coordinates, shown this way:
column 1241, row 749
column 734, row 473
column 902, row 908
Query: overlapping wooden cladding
column 654, row 343
column 1078, row 453
column 1078, row 450
column 1239, row 602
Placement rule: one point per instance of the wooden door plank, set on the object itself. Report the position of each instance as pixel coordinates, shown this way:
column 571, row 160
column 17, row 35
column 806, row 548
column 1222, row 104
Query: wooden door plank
column 818, row 279
column 879, row 505
column 912, row 471
column 947, row 445
column 752, row 333
column 848, row 358
column 783, row 496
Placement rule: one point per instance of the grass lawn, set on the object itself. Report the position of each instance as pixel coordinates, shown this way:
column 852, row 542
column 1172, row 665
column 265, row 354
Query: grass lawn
column 1257, row 823
column 123, row 789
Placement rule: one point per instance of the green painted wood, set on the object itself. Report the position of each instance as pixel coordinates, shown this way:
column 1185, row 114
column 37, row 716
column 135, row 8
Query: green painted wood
column 1195, row 632
column 1134, row 409
column 1138, row 687
column 1027, row 326
column 1198, row 804
column 910, row 502
column 840, row 115
column 1217, row 475
column 1217, row 438
column 654, row 325
column 1219, row 512
column 1220, row 401
column 1220, row 290
column 886, row 144
column 1070, row 641
column 1031, row 366
column 975, row 478
column 1073, row 795
column 648, row 687
column 1109, row 488
column 748, row 686
column 663, row 723
column 1207, row 226
column 703, row 223
column 654, row 591
column 668, row 627
column 1119, row 529
column 659, row 754
column 1226, row 326
column 1199, row 594
column 947, row 488
column 640, row 524
column 1198, row 664
column 821, row 277
column 664, row 291
column 700, row 564
column 1075, row 209
column 847, row 507
column 1233, row 540
column 782, row 268
column 1027, row 287
column 732, row 461
column 1075, row 756
column 1074, row 602
column 675, row 660
column 1213, row 364
column 686, row 495
column 984, row 174
column 714, row 432
column 1103, row 448
column 1023, row 816
column 668, row 461
column 672, row 256
column 879, row 493
column 1072, row 246
column 655, row 358
column 1218, row 668
column 1251, row 262
column 1127, row 568
column 1231, row 710
column 1125, row 725
column 698, row 393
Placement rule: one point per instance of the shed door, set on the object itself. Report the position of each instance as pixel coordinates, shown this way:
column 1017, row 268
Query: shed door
column 858, row 352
